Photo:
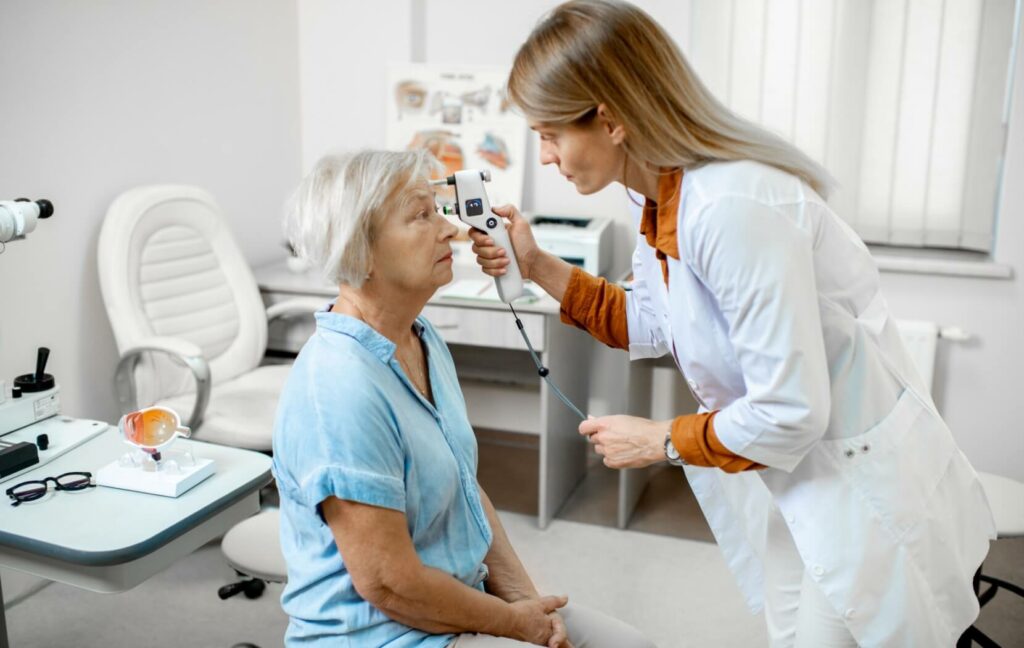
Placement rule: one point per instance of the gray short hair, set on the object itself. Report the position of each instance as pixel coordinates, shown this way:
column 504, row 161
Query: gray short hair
column 334, row 214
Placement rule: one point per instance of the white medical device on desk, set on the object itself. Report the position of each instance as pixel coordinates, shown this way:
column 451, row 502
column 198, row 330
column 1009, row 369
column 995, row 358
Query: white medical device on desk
column 582, row 241
column 18, row 217
column 32, row 432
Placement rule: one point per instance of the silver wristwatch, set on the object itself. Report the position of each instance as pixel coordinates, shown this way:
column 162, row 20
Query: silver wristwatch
column 671, row 453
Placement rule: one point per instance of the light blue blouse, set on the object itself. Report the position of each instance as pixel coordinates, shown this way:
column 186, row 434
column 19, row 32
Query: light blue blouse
column 352, row 425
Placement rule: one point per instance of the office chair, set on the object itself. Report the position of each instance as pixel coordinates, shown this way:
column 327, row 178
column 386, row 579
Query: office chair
column 1005, row 495
column 253, row 549
column 189, row 322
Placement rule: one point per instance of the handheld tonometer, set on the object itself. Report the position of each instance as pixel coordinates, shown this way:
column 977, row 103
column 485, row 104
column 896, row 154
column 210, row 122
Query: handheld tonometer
column 473, row 209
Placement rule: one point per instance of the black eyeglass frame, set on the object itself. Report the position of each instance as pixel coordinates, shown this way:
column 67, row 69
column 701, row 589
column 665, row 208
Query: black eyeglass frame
column 18, row 499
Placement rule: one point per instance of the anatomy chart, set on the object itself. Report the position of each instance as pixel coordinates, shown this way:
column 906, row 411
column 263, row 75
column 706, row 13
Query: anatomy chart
column 461, row 115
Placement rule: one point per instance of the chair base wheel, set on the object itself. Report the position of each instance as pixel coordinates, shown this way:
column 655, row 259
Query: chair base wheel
column 252, row 588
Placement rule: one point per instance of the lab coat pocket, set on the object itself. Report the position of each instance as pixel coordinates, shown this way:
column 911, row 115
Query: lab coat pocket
column 896, row 465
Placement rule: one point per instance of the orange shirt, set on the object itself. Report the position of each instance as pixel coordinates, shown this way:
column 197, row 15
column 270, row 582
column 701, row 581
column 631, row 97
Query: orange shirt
column 594, row 305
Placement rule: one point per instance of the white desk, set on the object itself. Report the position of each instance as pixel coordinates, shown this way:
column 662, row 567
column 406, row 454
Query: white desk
column 498, row 377
column 108, row 540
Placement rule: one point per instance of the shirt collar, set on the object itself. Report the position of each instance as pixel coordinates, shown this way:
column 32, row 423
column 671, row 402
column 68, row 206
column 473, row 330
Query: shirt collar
column 659, row 219
column 361, row 332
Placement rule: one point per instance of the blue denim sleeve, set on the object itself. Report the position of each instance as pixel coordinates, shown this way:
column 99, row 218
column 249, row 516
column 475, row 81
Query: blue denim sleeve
column 347, row 447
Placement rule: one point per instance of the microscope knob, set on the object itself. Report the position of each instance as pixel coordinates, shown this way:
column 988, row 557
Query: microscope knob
column 15, row 392
column 40, row 380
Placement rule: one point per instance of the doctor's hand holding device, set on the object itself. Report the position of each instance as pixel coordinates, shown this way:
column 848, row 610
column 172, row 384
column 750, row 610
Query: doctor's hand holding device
column 474, row 209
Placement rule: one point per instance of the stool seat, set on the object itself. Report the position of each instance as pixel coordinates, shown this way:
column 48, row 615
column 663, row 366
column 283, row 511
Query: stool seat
column 1006, row 497
column 253, row 547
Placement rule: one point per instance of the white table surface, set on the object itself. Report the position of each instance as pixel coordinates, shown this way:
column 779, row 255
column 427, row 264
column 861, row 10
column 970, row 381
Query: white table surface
column 107, row 526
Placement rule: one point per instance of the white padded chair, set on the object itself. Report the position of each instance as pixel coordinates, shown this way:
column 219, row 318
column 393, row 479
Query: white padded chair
column 189, row 322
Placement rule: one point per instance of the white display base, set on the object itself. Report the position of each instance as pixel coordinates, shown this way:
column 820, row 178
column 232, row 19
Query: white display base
column 168, row 480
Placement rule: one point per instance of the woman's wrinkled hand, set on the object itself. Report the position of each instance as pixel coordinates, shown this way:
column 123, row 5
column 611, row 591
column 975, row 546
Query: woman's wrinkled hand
column 560, row 634
column 627, row 441
column 492, row 258
column 534, row 623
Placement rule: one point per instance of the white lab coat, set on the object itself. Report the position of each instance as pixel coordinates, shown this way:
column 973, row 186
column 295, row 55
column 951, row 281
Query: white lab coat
column 776, row 320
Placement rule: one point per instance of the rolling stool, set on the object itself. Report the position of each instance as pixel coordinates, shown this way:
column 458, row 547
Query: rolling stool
column 1006, row 497
column 253, row 549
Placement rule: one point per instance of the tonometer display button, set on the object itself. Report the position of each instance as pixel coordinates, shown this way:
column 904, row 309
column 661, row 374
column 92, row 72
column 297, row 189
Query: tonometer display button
column 474, row 207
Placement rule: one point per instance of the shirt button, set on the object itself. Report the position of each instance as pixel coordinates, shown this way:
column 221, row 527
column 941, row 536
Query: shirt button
column 850, row 454
column 692, row 383
column 850, row 613
column 819, row 570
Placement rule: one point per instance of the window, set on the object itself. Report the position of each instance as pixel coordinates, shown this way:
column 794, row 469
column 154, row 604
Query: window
column 904, row 101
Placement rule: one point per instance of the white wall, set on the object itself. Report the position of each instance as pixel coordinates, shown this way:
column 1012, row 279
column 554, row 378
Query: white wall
column 977, row 384
column 103, row 96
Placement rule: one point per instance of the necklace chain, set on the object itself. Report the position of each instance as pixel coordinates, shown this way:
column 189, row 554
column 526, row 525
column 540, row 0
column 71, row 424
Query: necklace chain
column 418, row 379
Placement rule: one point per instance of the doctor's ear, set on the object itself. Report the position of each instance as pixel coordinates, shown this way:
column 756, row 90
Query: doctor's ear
column 610, row 124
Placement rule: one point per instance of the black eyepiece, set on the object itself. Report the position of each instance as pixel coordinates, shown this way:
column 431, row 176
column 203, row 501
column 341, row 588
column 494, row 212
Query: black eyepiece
column 45, row 208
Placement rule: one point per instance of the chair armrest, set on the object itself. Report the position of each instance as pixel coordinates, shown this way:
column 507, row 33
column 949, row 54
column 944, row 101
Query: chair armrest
column 183, row 351
column 296, row 306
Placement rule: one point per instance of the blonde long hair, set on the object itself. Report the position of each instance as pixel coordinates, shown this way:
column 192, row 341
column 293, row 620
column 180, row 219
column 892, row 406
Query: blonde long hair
column 591, row 52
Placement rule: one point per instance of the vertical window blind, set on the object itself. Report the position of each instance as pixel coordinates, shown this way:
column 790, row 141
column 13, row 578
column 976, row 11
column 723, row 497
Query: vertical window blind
column 902, row 100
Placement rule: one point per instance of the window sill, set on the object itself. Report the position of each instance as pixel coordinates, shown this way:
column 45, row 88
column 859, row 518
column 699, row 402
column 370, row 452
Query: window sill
column 948, row 263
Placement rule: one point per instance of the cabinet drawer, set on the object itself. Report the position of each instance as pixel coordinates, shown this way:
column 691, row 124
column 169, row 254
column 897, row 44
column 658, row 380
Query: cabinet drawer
column 485, row 327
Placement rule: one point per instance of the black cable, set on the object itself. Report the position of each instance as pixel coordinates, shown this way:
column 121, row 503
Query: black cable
column 543, row 371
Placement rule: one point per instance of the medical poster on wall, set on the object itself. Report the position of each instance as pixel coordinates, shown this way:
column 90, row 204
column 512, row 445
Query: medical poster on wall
column 461, row 115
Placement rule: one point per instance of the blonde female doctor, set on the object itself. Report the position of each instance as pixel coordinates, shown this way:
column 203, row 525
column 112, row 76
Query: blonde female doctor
column 832, row 485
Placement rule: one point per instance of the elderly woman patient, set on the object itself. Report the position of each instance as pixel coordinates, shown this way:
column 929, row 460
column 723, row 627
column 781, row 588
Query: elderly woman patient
column 389, row 539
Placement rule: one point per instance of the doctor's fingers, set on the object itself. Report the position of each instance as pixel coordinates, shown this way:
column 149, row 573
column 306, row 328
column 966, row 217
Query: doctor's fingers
column 592, row 425
column 507, row 211
column 488, row 250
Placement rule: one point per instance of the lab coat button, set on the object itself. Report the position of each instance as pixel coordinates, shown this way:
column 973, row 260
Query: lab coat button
column 791, row 519
column 865, row 448
column 692, row 383
column 819, row 570
column 849, row 614
column 850, row 453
